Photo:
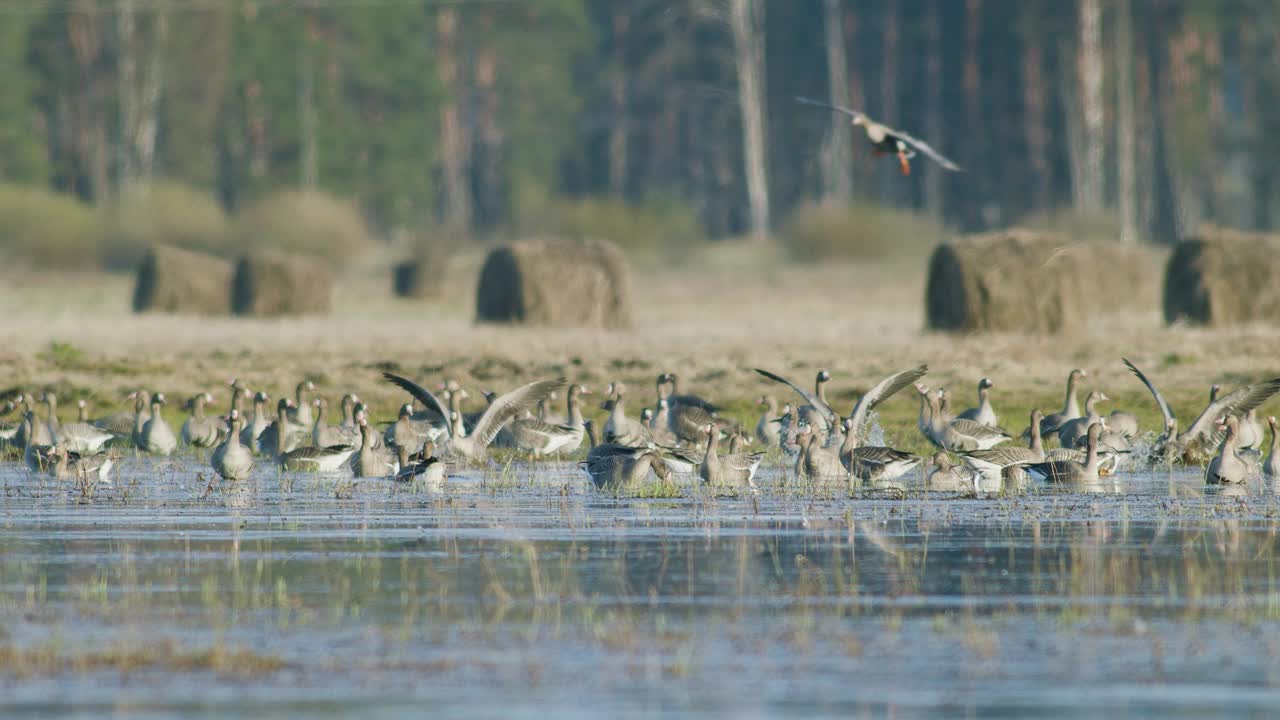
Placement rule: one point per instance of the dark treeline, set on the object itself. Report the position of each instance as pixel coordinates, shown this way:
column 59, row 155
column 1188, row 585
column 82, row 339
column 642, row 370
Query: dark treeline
column 474, row 114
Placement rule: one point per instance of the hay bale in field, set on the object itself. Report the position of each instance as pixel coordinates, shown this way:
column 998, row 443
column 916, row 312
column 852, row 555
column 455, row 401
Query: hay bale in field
column 269, row 283
column 1223, row 277
column 182, row 281
column 1022, row 281
column 556, row 282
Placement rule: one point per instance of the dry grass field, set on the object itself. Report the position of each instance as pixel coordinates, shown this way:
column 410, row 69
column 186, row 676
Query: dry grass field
column 724, row 312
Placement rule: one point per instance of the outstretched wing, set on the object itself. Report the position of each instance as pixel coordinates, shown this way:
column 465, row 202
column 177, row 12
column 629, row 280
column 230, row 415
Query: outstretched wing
column 881, row 392
column 808, row 396
column 1165, row 410
column 1239, row 403
column 506, row 408
column 924, row 147
column 837, row 108
column 422, row 394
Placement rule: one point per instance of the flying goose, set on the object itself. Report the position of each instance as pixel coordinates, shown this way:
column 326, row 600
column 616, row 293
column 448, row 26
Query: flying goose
column 1227, row 467
column 199, row 430
column 1074, row 430
column 157, row 437
column 1070, row 406
column 1271, row 468
column 993, row 463
column 888, row 140
column 767, row 427
column 736, row 469
column 1200, row 441
column 501, row 411
column 983, row 413
column 871, row 463
column 231, row 459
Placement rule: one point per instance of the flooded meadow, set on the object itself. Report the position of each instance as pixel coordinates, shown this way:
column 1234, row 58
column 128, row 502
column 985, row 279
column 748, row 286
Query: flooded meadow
column 520, row 590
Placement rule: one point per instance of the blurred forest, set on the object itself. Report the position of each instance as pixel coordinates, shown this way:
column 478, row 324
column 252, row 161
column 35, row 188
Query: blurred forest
column 477, row 118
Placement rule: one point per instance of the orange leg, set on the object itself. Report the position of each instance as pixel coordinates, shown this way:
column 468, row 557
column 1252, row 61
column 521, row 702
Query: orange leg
column 906, row 166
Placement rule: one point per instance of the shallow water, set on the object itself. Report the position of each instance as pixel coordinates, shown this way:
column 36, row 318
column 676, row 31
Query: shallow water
column 522, row 592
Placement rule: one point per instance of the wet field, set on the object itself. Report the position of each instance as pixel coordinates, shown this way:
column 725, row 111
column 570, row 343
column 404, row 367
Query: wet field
column 521, row 591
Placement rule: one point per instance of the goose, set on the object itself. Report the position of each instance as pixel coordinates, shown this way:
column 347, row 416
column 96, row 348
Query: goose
column 1250, row 435
column 501, row 412
column 547, row 413
column 618, row 428
column 283, row 436
column 871, row 463
column 327, row 459
column 612, row 466
column 157, row 437
column 300, row 411
column 767, row 427
column 231, row 459
column 141, row 414
column 1201, row 439
column 671, row 382
column 82, row 437
column 405, row 432
column 424, row 466
column 885, row 139
column 36, row 455
column 51, row 416
column 415, row 428
column 349, row 412
column 736, row 469
column 8, row 432
column 1227, row 467
column 788, row 429
column 816, row 462
column 199, row 430
column 817, row 413
column 544, row 438
column 251, row 434
column 860, row 414
column 1072, row 430
column 323, row 434
column 1070, row 406
column 993, row 463
column 66, row 464
column 1271, row 468
column 659, row 424
column 372, row 461
column 946, row 476
column 983, row 413
column 958, row 435
column 1072, row 470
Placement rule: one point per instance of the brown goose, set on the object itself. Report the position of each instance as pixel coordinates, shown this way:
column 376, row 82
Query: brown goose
column 424, row 467
column 300, row 411
column 958, row 435
column 200, row 430
column 816, row 413
column 816, row 462
column 881, row 391
column 324, row 434
column 612, row 466
column 733, row 470
column 946, row 476
column 283, row 436
column 871, row 463
column 157, row 437
column 1227, row 467
column 372, row 460
column 232, row 460
column 618, row 428
column 1071, row 432
column 1201, row 440
column 984, row 412
column 1072, row 470
column 70, row 465
column 993, row 463
column 768, row 427
column 252, row 431
column 81, row 436
column 1070, row 406
column 887, row 140
column 501, row 412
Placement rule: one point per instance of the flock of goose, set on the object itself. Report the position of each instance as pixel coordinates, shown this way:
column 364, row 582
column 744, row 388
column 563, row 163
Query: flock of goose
column 680, row 434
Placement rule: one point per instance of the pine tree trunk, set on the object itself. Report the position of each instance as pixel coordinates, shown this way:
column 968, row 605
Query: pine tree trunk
column 746, row 18
column 933, row 199
column 126, row 88
column 618, row 129
column 889, row 182
column 837, row 182
column 307, row 107
column 1035, row 104
column 455, row 146
column 1088, row 187
column 1126, row 139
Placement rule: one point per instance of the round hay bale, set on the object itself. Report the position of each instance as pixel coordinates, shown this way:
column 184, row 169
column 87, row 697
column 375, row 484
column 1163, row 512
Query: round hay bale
column 269, row 283
column 556, row 282
column 182, row 281
column 1223, row 277
column 1022, row 281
